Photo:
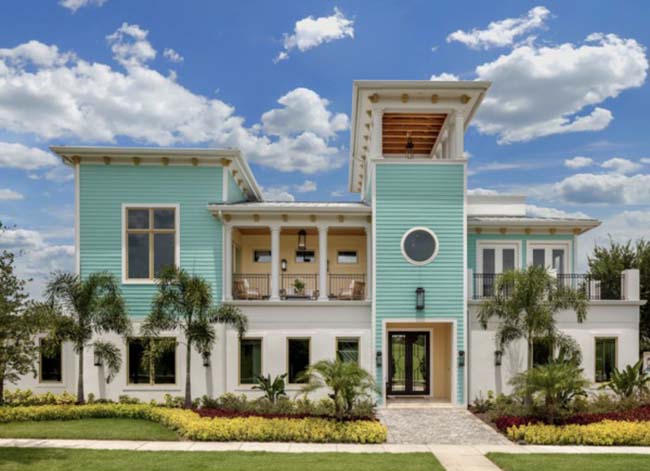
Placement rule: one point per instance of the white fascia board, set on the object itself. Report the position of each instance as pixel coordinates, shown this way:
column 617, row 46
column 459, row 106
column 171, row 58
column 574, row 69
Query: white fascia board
column 496, row 205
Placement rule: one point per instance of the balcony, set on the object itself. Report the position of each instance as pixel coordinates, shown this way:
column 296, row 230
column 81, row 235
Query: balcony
column 285, row 264
column 483, row 286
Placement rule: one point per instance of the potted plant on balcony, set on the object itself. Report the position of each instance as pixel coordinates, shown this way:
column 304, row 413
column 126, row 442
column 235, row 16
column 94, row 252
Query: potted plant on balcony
column 298, row 287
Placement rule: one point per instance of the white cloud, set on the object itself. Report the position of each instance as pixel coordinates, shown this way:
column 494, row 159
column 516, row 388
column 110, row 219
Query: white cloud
column 645, row 161
column 172, row 55
column 303, row 110
column 501, row 33
column 499, row 167
column 36, row 257
column 59, row 174
column 620, row 165
column 306, row 187
column 444, row 77
column 130, row 46
column 543, row 212
column 311, row 32
column 15, row 155
column 277, row 193
column 7, row 194
column 578, row 162
column 481, row 191
column 589, row 188
column 544, row 90
column 74, row 5
column 55, row 95
column 337, row 193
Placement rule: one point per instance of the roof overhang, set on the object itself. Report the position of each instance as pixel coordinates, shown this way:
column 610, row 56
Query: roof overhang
column 162, row 155
column 290, row 207
column 463, row 96
column 576, row 226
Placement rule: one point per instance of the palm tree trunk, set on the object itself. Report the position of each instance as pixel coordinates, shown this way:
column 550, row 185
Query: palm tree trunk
column 2, row 391
column 530, row 353
column 80, row 377
column 188, row 384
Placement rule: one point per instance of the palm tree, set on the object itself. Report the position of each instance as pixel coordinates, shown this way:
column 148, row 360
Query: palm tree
column 83, row 307
column 184, row 302
column 526, row 302
column 346, row 379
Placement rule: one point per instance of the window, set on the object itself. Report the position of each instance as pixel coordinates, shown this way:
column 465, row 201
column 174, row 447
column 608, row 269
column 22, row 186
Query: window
column 419, row 246
column 298, row 353
column 347, row 349
column 346, row 256
column 305, row 256
column 541, row 352
column 493, row 258
column 50, row 364
column 262, row 256
column 150, row 241
column 555, row 256
column 152, row 361
column 605, row 359
column 250, row 360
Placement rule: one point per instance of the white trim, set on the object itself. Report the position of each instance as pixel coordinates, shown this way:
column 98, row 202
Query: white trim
column 225, row 173
column 177, row 237
column 373, row 304
column 465, row 283
column 549, row 245
column 498, row 244
column 77, row 221
column 435, row 251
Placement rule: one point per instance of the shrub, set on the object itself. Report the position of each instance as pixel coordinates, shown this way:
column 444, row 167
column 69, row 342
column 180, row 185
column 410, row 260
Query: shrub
column 190, row 425
column 273, row 389
column 602, row 433
column 126, row 399
column 630, row 381
column 25, row 397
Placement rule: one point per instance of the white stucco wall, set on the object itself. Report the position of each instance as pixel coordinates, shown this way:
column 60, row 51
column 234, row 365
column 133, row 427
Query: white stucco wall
column 617, row 319
column 272, row 322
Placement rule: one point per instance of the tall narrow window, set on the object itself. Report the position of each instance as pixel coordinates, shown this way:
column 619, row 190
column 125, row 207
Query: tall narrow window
column 50, row 364
column 250, row 360
column 539, row 258
column 558, row 260
column 541, row 352
column 151, row 361
column 298, row 353
column 150, row 241
column 347, row 349
column 605, row 359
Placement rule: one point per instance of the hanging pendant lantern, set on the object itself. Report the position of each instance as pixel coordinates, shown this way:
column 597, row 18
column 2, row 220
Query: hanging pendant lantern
column 302, row 239
column 409, row 145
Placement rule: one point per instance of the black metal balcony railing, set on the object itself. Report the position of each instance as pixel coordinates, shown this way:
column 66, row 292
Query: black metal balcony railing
column 347, row 287
column 484, row 285
column 299, row 286
column 251, row 286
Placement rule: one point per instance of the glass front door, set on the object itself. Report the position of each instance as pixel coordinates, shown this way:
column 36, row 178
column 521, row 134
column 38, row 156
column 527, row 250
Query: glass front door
column 408, row 363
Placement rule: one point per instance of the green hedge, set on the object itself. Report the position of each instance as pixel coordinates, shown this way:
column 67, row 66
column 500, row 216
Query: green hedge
column 191, row 426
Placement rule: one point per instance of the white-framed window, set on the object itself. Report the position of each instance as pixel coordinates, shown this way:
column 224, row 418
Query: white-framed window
column 494, row 257
column 150, row 241
column 50, row 364
column 551, row 255
column 262, row 256
column 345, row 257
column 419, row 245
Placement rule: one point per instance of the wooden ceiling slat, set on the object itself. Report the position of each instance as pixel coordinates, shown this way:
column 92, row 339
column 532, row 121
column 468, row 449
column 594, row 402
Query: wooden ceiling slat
column 423, row 128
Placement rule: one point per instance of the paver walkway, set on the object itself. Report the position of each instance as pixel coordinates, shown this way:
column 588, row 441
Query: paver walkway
column 442, row 426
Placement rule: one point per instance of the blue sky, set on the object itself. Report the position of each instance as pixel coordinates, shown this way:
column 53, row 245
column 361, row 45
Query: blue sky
column 565, row 121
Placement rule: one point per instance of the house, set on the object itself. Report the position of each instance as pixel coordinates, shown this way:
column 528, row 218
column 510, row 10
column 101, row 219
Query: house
column 393, row 281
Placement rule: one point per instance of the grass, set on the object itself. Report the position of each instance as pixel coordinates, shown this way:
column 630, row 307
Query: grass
column 564, row 462
column 37, row 459
column 91, row 429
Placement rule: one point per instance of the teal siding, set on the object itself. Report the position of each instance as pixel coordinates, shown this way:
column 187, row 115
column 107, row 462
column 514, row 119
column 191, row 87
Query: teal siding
column 420, row 195
column 473, row 238
column 103, row 190
column 235, row 195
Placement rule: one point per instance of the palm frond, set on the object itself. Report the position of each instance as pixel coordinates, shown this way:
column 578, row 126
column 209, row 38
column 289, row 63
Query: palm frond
column 110, row 356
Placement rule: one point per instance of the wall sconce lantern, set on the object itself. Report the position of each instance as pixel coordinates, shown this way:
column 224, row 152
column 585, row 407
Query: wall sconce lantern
column 419, row 299
column 498, row 354
column 206, row 359
column 302, row 239
column 461, row 358
column 378, row 359
column 283, row 264
column 97, row 358
column 409, row 145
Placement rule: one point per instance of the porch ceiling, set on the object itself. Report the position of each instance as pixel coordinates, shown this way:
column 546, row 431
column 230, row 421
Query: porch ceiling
column 423, row 129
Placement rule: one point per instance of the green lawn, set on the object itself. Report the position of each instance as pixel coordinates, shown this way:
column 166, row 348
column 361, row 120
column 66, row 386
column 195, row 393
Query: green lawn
column 37, row 459
column 562, row 462
column 97, row 429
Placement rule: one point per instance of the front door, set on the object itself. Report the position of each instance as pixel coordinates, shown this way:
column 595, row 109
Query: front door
column 408, row 363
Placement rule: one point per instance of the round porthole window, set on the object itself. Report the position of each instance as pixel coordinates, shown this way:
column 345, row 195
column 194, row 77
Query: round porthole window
column 419, row 245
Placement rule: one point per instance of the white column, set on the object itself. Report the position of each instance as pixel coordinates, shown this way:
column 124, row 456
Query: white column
column 369, row 262
column 458, row 136
column 322, row 263
column 445, row 146
column 376, row 151
column 275, row 263
column 227, row 262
